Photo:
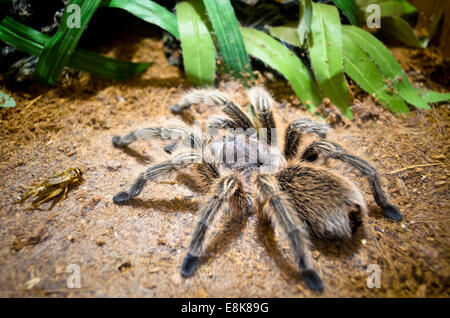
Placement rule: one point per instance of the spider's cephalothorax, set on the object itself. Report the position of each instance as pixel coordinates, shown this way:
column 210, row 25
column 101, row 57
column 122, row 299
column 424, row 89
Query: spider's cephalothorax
column 238, row 165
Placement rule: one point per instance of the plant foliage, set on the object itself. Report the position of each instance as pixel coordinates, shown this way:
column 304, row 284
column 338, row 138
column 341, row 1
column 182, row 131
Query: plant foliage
column 273, row 53
column 229, row 39
column 325, row 50
column 60, row 50
column 33, row 42
column 57, row 51
column 196, row 42
column 209, row 33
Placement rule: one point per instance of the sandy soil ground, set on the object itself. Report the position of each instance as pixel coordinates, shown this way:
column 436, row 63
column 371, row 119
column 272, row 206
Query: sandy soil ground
column 136, row 250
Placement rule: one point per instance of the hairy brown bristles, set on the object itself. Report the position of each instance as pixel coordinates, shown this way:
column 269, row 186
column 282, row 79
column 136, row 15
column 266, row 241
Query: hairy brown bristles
column 243, row 169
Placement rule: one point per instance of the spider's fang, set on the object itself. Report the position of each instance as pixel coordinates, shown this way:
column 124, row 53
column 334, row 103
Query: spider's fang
column 189, row 265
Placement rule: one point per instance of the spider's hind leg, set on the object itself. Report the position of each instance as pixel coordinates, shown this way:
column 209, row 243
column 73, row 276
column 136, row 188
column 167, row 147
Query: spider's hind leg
column 279, row 209
column 332, row 150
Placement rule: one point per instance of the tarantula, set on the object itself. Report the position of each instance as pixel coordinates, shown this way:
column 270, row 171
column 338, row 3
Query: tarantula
column 244, row 169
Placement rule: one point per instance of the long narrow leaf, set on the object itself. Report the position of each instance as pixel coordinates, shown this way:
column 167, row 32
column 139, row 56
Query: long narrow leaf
column 148, row 11
column 32, row 42
column 287, row 33
column 58, row 50
column 19, row 41
column 359, row 66
column 304, row 26
column 325, row 51
column 226, row 29
column 435, row 97
column 103, row 66
column 196, row 42
column 350, row 10
column 27, row 33
column 401, row 30
column 273, row 53
column 387, row 64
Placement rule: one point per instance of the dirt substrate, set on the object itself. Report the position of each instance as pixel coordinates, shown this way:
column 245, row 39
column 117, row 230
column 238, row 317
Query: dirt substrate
column 137, row 249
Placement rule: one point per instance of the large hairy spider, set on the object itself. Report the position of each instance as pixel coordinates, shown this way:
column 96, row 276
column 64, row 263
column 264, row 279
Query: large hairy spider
column 238, row 164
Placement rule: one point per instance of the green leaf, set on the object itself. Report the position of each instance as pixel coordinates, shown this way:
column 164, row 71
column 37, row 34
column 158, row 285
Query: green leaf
column 325, row 51
column 273, row 53
column 6, row 100
column 148, row 11
column 106, row 67
column 408, row 8
column 401, row 30
column 360, row 68
column 435, row 97
column 32, row 42
column 10, row 35
column 387, row 64
column 231, row 45
column 304, row 26
column 349, row 8
column 196, row 42
column 58, row 50
column 287, row 33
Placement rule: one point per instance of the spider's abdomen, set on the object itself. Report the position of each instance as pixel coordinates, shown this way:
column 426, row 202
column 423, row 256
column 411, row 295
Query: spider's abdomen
column 332, row 206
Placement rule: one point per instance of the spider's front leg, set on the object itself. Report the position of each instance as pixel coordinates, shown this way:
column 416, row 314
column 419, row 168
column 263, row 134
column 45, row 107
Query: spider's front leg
column 225, row 189
column 163, row 170
column 212, row 97
column 332, row 150
column 296, row 130
column 175, row 134
column 280, row 211
column 150, row 133
column 262, row 103
column 236, row 116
